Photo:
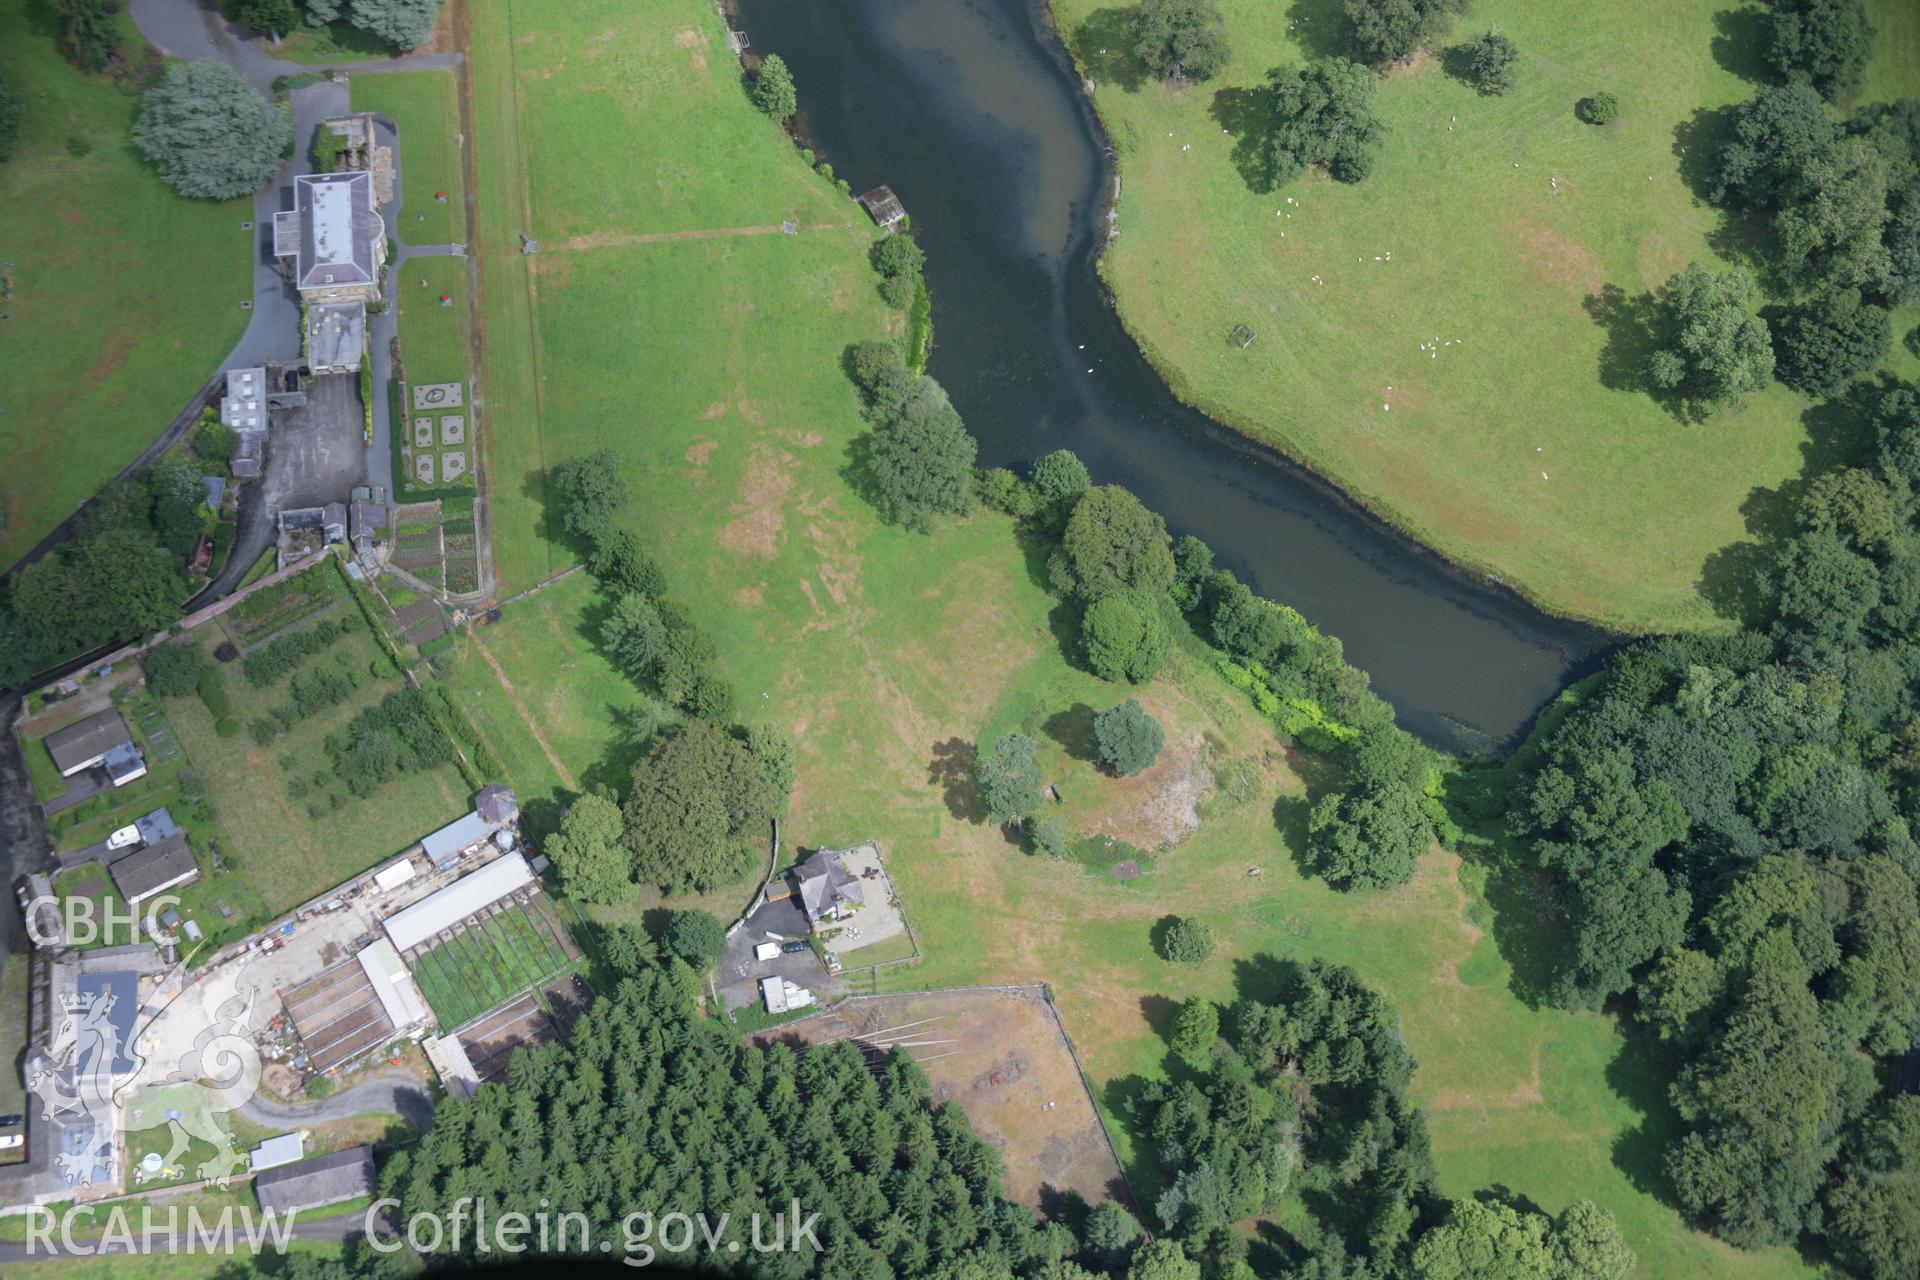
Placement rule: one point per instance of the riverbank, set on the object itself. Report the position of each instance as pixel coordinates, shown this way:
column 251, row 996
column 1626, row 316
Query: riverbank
column 1446, row 371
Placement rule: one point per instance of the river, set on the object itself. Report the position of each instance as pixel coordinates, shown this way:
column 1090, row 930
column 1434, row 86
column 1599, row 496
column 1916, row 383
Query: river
column 972, row 113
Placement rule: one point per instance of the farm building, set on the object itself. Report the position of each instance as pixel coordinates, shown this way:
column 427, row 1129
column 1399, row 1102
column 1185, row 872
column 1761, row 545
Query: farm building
column 425, row 919
column 344, row 1175
column 86, row 743
column 393, row 986
column 494, row 807
column 153, row 869
column 274, row 1152
column 355, row 1007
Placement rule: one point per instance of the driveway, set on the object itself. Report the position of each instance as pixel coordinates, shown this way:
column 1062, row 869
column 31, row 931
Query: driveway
column 187, row 29
column 391, row 1092
column 777, row 921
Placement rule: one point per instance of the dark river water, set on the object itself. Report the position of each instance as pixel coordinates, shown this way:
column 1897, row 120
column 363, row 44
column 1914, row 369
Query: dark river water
column 971, row 112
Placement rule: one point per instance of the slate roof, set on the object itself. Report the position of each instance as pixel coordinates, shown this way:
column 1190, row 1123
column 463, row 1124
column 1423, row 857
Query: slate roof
column 308, row 1184
column 497, row 804
column 825, row 882
column 338, row 229
column 155, row 866
column 87, row 739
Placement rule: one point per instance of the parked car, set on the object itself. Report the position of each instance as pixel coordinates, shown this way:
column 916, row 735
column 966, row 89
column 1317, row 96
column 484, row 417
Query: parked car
column 794, row 948
column 8, row 1141
column 8, row 1122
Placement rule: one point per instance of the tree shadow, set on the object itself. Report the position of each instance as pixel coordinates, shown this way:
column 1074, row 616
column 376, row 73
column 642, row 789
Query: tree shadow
column 1697, row 142
column 1073, row 730
column 1159, row 1010
column 1912, row 340
column 1124, row 1097
column 1319, row 27
column 951, row 770
column 1265, row 978
column 1247, row 114
column 1529, row 927
column 1290, row 814
column 1063, row 619
column 1639, row 1075
column 1500, row 1193
column 1632, row 338
column 1103, row 44
column 1740, row 43
column 1732, row 581
column 1456, row 61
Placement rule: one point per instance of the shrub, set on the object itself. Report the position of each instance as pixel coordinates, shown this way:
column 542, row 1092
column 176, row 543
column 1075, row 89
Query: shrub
column 226, row 726
column 1126, row 739
column 1051, row 835
column 1597, row 108
column 1186, row 941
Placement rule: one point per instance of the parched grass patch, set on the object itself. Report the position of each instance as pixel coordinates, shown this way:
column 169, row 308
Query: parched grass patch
column 425, row 109
column 123, row 296
column 1434, row 338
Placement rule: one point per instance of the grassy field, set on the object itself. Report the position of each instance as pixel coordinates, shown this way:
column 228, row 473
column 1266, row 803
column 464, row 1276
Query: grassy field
column 264, row 794
column 433, row 335
column 121, row 296
column 1488, row 228
column 710, row 368
column 425, row 108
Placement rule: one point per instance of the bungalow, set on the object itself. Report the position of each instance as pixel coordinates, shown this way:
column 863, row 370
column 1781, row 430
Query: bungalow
column 155, row 868
column 101, row 739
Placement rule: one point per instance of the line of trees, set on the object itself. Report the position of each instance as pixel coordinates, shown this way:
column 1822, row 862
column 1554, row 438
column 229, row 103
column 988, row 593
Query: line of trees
column 700, row 800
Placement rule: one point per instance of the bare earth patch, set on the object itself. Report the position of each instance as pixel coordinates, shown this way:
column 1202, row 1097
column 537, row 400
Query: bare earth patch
column 1158, row 807
column 1003, row 1056
column 755, row 529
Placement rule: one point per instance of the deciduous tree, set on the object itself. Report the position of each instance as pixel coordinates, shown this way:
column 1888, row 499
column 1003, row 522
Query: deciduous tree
column 1126, row 739
column 1323, row 115
column 1187, row 37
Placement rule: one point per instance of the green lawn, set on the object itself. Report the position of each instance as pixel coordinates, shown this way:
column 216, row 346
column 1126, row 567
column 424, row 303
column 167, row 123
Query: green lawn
column 1503, row 449
column 711, row 368
column 433, row 335
column 123, row 296
column 289, row 854
column 425, row 108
